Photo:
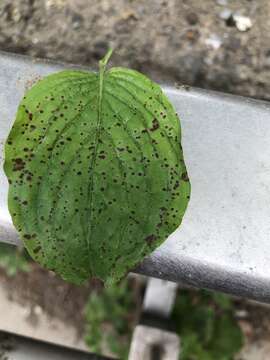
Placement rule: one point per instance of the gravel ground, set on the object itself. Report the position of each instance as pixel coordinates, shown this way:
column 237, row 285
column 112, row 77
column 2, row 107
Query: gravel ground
column 185, row 41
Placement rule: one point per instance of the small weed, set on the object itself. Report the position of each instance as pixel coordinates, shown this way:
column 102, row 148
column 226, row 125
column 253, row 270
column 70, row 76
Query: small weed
column 13, row 259
column 110, row 318
column 205, row 322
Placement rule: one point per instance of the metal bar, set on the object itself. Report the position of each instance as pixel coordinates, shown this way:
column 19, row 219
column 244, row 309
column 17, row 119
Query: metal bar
column 223, row 243
column 15, row 347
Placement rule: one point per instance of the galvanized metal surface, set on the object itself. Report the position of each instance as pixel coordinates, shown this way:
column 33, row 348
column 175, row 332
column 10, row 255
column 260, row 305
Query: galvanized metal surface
column 223, row 243
column 20, row 348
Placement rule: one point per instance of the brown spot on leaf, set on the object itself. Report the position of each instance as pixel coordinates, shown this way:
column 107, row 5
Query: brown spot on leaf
column 185, row 176
column 150, row 239
column 155, row 125
column 176, row 185
column 18, row 164
column 37, row 249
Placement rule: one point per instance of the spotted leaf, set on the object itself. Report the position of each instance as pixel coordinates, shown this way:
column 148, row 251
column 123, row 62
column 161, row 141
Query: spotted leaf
column 96, row 172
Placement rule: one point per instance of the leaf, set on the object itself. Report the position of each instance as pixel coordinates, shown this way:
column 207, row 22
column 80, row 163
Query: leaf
column 96, row 172
column 13, row 259
column 110, row 318
column 208, row 330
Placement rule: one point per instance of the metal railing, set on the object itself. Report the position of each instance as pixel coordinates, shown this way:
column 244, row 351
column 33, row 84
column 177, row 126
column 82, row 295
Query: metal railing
column 14, row 347
column 223, row 243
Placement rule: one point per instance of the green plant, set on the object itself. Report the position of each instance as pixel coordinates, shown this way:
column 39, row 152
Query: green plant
column 96, row 172
column 108, row 315
column 13, row 259
column 205, row 323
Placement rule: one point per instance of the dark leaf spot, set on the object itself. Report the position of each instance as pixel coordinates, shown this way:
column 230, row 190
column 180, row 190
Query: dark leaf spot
column 150, row 239
column 185, row 176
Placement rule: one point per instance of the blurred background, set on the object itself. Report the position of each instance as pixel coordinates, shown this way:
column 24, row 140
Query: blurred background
column 215, row 44
column 220, row 45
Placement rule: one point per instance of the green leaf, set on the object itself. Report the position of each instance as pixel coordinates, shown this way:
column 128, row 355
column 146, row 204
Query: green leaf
column 109, row 319
column 96, row 172
column 207, row 329
column 13, row 259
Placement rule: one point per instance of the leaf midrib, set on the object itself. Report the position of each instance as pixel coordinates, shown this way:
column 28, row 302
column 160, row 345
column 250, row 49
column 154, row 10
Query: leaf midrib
column 102, row 70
